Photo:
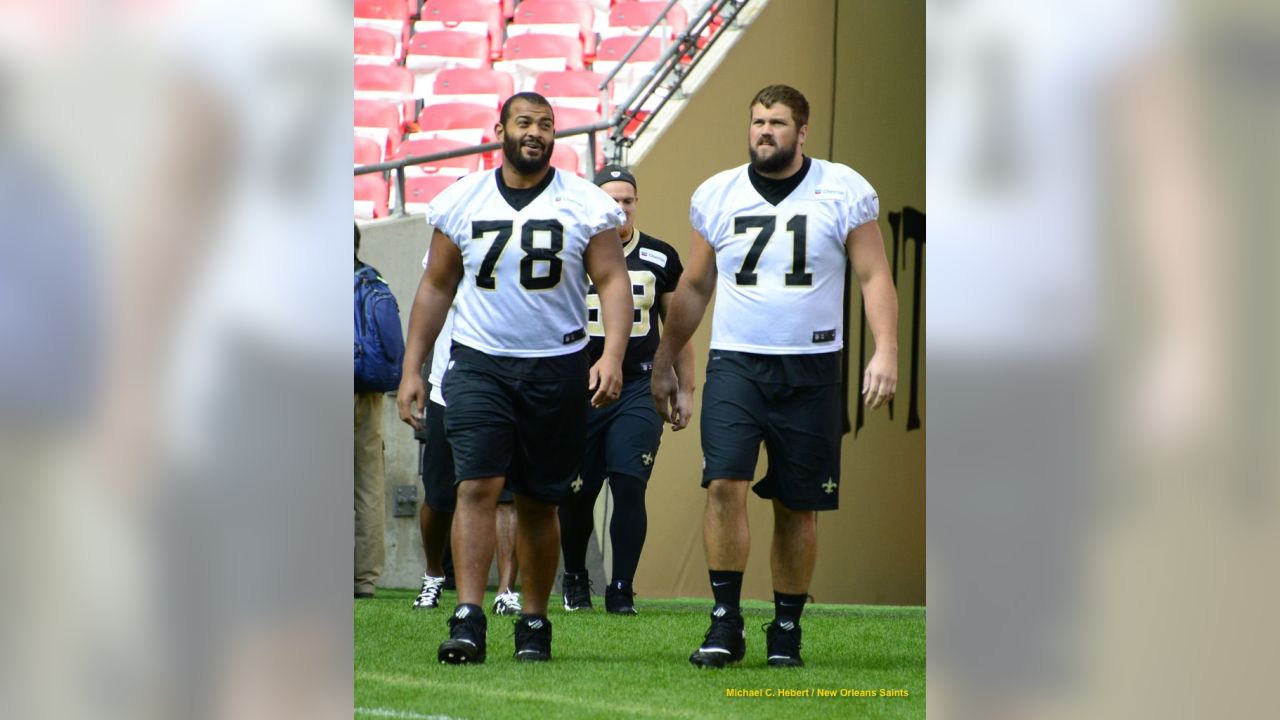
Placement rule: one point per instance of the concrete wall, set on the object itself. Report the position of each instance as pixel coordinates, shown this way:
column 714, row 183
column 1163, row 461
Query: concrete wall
column 861, row 65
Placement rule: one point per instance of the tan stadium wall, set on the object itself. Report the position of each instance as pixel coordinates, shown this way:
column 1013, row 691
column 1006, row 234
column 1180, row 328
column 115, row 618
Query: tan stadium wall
column 861, row 65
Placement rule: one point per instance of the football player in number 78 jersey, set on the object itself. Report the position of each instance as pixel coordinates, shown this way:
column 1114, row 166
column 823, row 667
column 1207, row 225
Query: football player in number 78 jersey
column 516, row 246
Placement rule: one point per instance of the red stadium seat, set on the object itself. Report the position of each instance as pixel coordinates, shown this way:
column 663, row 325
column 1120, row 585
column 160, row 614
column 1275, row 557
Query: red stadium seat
column 390, row 83
column 453, row 167
column 391, row 79
column 464, row 122
column 442, row 49
column 474, row 81
column 540, row 46
column 381, row 10
column 389, row 15
column 478, row 17
column 568, row 118
column 524, row 56
column 375, row 46
column 367, row 151
column 632, row 18
column 613, row 49
column 377, row 114
column 557, row 17
column 447, row 116
column 370, row 196
column 564, row 157
column 572, row 88
column 418, row 191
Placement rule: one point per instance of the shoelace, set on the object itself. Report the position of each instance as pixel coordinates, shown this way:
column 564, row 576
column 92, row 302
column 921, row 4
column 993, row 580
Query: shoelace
column 430, row 590
column 789, row 636
column 723, row 631
column 509, row 599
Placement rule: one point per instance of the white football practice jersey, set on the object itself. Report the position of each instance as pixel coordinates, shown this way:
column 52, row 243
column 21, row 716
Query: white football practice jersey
column 780, row 281
column 524, row 285
column 441, row 352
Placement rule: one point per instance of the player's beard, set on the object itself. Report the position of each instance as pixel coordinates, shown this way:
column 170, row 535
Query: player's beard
column 522, row 165
column 779, row 160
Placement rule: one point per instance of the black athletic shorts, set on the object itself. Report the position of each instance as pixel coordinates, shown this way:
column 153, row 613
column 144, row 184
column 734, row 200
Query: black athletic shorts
column 439, row 489
column 752, row 398
column 622, row 438
column 526, row 415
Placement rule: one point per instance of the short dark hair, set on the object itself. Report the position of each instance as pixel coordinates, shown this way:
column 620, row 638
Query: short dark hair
column 357, row 237
column 786, row 95
column 532, row 98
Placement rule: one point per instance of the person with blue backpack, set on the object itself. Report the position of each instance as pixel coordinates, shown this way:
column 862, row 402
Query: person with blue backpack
column 379, row 353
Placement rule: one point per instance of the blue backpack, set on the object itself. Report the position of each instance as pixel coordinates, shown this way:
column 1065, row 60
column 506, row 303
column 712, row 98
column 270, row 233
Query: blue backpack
column 379, row 342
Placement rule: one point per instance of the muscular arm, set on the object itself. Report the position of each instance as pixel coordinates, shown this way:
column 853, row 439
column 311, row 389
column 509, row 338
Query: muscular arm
column 880, row 299
column 684, row 367
column 608, row 271
column 430, row 306
column 684, row 314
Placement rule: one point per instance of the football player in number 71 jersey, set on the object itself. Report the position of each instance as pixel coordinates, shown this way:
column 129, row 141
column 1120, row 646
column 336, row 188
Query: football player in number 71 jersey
column 771, row 238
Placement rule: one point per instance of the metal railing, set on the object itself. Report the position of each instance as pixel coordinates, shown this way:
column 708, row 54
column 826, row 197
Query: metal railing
column 670, row 65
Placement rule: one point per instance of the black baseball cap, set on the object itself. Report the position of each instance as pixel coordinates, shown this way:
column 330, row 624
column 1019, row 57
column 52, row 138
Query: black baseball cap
column 610, row 173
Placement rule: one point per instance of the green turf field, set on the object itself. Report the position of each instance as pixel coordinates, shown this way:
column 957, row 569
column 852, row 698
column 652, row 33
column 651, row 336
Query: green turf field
column 606, row 666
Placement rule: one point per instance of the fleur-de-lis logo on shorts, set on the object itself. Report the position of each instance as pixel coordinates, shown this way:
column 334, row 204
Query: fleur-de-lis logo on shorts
column 647, row 459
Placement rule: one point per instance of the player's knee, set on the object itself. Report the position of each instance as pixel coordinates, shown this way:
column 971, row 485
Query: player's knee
column 790, row 520
column 626, row 489
column 726, row 493
column 481, row 491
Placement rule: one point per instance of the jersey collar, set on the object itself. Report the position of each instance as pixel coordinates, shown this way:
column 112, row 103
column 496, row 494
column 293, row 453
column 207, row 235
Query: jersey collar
column 631, row 244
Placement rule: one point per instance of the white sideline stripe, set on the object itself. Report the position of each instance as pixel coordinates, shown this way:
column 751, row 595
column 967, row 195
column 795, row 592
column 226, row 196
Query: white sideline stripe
column 405, row 714
column 598, row 707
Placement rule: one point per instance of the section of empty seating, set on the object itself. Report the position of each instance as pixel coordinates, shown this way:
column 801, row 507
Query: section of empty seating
column 431, row 76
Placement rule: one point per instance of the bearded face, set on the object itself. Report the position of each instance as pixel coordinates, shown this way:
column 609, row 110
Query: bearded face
column 528, row 138
column 773, row 140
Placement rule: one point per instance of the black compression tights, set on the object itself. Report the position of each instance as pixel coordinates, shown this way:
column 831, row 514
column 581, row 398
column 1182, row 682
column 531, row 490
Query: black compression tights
column 626, row 531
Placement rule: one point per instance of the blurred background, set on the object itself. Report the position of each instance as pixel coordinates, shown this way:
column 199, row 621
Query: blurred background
column 1102, row 501
column 1102, row 477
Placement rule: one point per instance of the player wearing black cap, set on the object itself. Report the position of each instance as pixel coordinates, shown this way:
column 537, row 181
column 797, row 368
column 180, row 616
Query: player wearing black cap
column 623, row 438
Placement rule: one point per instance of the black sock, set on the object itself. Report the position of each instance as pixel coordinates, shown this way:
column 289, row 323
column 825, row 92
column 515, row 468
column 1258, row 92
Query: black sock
column 473, row 611
column 575, row 529
column 628, row 526
column 726, row 586
column 788, row 606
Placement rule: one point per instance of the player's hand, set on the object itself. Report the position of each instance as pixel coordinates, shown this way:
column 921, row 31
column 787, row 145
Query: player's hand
column 683, row 412
column 664, row 389
column 606, row 381
column 412, row 394
column 880, row 380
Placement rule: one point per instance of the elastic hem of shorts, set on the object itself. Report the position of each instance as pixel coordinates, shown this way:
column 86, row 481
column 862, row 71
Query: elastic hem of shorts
column 623, row 471
column 745, row 477
column 480, row 476
column 797, row 509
